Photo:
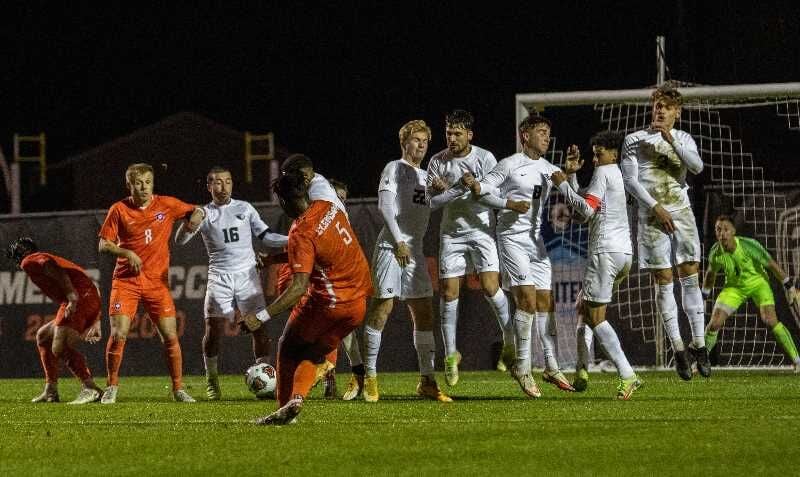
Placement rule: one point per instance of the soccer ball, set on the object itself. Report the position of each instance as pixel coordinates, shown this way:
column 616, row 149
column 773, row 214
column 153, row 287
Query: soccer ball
column 261, row 379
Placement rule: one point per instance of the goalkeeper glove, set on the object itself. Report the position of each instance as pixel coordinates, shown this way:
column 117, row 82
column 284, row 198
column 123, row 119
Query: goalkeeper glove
column 791, row 291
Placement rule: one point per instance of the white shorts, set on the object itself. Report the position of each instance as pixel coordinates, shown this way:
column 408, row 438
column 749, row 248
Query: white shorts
column 390, row 280
column 228, row 290
column 524, row 262
column 604, row 272
column 459, row 255
column 659, row 250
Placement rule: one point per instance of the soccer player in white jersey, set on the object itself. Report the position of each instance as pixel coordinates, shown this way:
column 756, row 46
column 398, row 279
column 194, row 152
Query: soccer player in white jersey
column 233, row 280
column 399, row 266
column 466, row 241
column 526, row 267
column 654, row 164
column 603, row 205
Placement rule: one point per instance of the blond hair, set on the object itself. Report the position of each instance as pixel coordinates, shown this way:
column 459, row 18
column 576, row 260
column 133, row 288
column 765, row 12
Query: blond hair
column 135, row 170
column 412, row 127
column 667, row 93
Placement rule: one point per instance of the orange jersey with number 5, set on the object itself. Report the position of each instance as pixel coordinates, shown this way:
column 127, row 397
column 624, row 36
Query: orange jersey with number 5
column 322, row 243
column 146, row 232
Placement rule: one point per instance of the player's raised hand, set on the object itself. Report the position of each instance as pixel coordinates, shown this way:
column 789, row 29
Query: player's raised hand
column 134, row 261
column 438, row 185
column 574, row 161
column 664, row 218
column 558, row 177
column 519, row 206
column 403, row 253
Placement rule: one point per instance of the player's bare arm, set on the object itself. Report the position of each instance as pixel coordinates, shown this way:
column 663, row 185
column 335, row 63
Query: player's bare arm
column 60, row 276
column 107, row 246
column 285, row 301
column 196, row 218
column 519, row 206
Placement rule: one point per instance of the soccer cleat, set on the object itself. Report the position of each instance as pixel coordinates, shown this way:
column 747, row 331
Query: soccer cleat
column 371, row 389
column 581, row 381
column 330, row 384
column 428, row 389
column 451, row 363
column 682, row 365
column 182, row 396
column 110, row 395
column 626, row 387
column 354, row 387
column 284, row 415
column 526, row 382
column 48, row 395
column 322, row 370
column 506, row 358
column 558, row 380
column 86, row 396
column 700, row 356
column 213, row 393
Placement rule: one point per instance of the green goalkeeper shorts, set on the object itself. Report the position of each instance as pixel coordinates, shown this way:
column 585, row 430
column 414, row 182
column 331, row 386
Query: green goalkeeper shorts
column 759, row 290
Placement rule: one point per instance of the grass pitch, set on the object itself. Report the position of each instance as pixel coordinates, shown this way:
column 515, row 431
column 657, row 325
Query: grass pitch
column 735, row 423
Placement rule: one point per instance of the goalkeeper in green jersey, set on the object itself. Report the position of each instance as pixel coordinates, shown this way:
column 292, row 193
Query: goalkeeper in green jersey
column 745, row 263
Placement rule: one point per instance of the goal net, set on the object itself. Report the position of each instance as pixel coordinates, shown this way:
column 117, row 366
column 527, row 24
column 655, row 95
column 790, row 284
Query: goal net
column 747, row 135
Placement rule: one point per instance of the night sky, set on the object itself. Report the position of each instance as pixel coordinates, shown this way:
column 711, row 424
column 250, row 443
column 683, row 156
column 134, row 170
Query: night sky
column 335, row 80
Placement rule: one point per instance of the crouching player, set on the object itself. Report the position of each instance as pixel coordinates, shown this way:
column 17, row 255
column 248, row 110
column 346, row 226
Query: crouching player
column 78, row 317
column 328, row 263
column 603, row 204
column 743, row 260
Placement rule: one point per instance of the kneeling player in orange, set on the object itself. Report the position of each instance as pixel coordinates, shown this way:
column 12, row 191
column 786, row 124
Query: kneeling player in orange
column 137, row 231
column 327, row 262
column 78, row 317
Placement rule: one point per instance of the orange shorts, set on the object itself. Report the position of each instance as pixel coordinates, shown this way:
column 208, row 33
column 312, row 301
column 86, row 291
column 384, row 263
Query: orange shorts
column 314, row 323
column 154, row 294
column 86, row 314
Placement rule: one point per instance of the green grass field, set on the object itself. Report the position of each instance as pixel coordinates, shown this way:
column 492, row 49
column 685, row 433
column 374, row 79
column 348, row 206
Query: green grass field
column 735, row 423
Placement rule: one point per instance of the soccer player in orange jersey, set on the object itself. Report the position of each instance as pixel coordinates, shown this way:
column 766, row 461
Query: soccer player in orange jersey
column 78, row 317
column 327, row 263
column 137, row 231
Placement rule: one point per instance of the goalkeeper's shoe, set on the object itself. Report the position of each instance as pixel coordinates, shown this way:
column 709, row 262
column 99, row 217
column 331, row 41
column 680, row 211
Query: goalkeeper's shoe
column 182, row 396
column 213, row 393
column 354, row 387
column 558, row 380
column 451, row 363
column 700, row 356
column 284, row 415
column 50, row 394
column 626, row 387
column 86, row 396
column 682, row 365
column 110, row 395
column 526, row 382
column 330, row 384
column 371, row 389
column 581, row 381
column 428, row 389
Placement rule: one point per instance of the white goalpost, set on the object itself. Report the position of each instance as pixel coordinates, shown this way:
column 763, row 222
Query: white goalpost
column 733, row 180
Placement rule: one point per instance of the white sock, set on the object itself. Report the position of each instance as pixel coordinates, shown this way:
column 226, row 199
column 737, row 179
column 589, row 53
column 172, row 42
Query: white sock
column 522, row 339
column 426, row 351
column 351, row 349
column 694, row 307
column 499, row 304
column 608, row 338
column 668, row 309
column 449, row 319
column 211, row 365
column 543, row 327
column 585, row 336
column 372, row 345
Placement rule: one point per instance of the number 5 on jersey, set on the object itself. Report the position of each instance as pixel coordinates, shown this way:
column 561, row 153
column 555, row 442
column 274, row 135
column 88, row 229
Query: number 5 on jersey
column 346, row 238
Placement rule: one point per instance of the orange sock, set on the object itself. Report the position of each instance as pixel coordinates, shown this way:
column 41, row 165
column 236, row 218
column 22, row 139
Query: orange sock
column 172, row 351
column 49, row 363
column 304, row 377
column 333, row 356
column 76, row 363
column 114, row 349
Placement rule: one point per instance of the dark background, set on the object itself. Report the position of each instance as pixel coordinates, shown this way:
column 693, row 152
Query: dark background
column 336, row 80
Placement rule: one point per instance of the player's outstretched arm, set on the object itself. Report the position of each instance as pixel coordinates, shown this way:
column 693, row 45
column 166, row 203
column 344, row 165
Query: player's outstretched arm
column 184, row 234
column 285, row 301
column 585, row 207
column 109, row 247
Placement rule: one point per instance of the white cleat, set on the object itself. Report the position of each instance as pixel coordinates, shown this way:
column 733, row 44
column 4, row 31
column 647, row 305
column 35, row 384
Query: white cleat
column 109, row 395
column 182, row 396
column 284, row 415
column 86, row 396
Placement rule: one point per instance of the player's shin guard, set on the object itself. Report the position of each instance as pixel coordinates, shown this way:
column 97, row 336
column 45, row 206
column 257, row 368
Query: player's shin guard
column 172, row 353
column 668, row 309
column 499, row 303
column 522, row 337
column 785, row 339
column 426, row 351
column 115, row 347
column 372, row 344
column 49, row 362
column 76, row 363
column 547, row 338
column 449, row 320
column 608, row 338
column 694, row 307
